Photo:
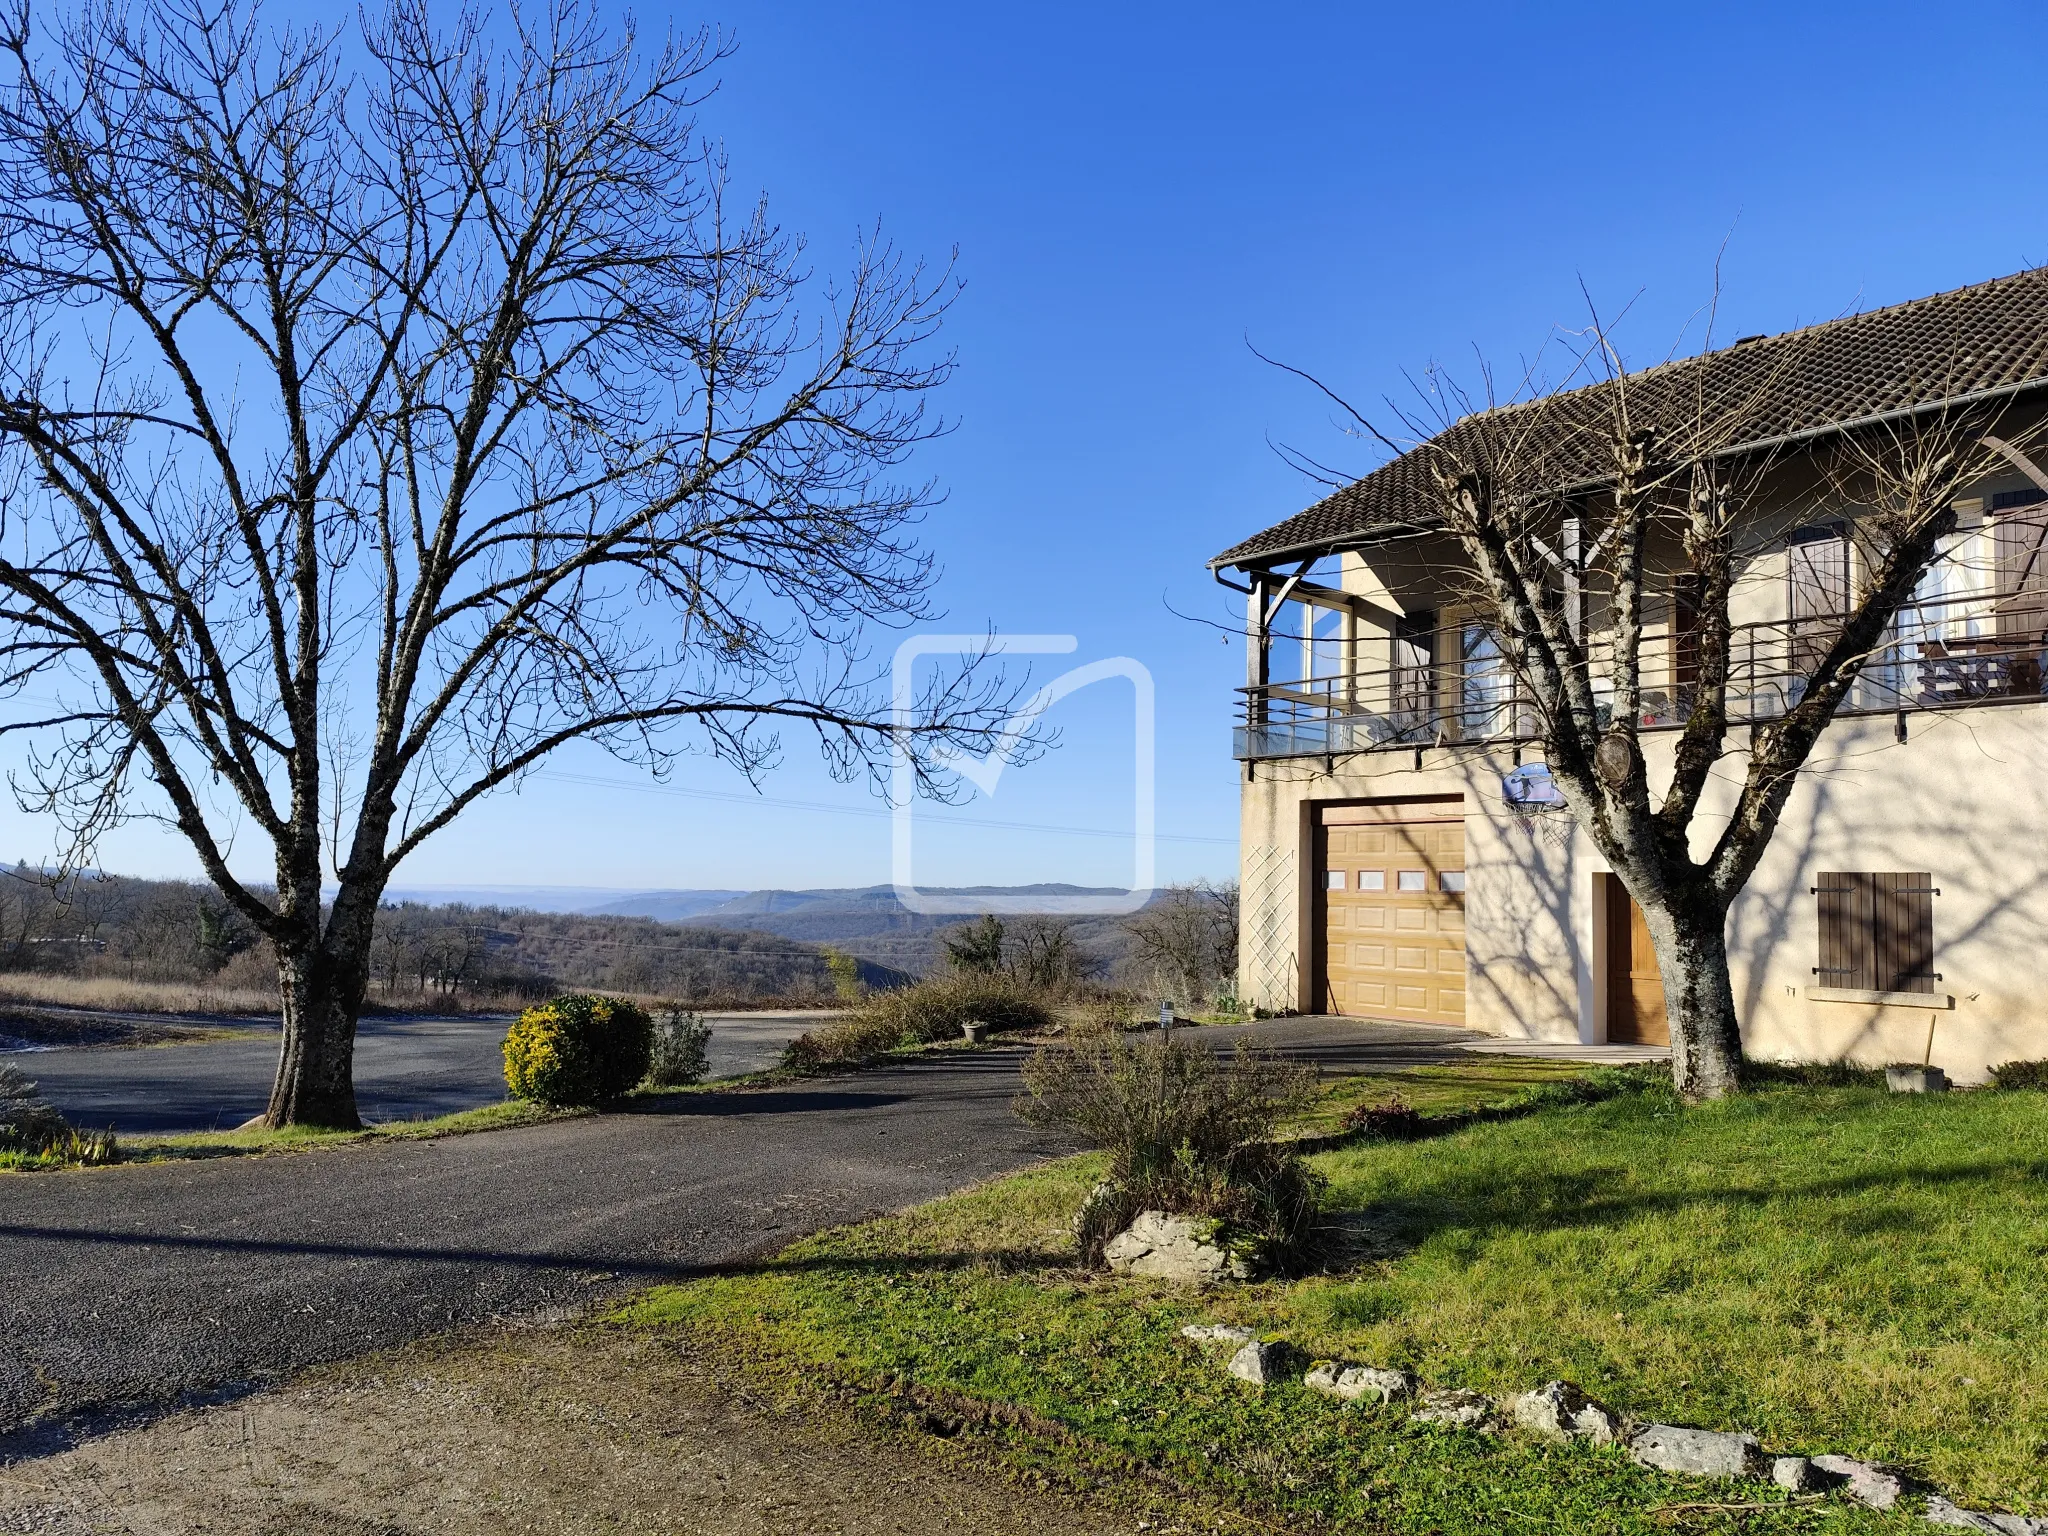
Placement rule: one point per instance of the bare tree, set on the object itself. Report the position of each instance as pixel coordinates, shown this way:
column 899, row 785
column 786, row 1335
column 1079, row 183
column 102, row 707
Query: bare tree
column 378, row 415
column 1045, row 955
column 1579, row 508
column 1187, row 935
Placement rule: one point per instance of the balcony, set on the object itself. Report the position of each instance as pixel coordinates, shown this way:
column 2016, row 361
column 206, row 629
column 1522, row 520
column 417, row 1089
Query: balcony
column 1961, row 651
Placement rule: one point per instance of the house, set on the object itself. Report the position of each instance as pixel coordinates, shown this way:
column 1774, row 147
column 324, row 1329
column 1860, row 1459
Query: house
column 1402, row 854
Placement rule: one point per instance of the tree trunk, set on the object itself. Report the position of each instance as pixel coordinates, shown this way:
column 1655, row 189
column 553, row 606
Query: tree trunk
column 322, row 994
column 1699, row 1002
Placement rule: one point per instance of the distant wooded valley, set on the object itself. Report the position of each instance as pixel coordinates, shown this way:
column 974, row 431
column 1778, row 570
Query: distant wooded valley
column 117, row 942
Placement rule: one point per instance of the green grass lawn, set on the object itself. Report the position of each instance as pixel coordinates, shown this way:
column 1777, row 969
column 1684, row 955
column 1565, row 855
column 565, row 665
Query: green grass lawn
column 1834, row 1268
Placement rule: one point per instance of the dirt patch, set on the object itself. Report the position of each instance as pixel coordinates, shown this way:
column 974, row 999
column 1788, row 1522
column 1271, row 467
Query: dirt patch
column 566, row 1430
column 21, row 1026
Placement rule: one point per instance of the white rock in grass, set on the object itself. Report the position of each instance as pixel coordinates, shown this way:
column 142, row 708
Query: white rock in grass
column 1941, row 1512
column 1259, row 1364
column 1796, row 1474
column 1697, row 1452
column 1458, row 1408
column 1355, row 1382
column 1217, row 1333
column 1557, row 1410
column 1865, row 1481
column 1168, row 1247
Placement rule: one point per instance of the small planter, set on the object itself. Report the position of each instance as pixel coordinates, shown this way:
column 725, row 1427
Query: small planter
column 974, row 1031
column 1916, row 1079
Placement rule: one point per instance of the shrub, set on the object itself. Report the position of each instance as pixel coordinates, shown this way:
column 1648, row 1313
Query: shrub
column 1394, row 1120
column 2021, row 1074
column 842, row 1043
column 1105, row 1012
column 578, row 1049
column 680, row 1056
column 32, row 1130
column 1186, row 1131
column 935, row 1009
column 928, row 1010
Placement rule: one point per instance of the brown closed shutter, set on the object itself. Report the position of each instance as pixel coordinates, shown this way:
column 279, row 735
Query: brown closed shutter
column 1876, row 931
column 1846, row 955
column 2022, row 572
column 1903, row 930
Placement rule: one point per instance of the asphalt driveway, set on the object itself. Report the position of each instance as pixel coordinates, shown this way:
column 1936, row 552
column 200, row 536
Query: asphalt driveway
column 406, row 1069
column 126, row 1289
column 141, row 1284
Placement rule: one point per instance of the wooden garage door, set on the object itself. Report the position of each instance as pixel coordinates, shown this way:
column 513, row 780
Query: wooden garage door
column 1393, row 918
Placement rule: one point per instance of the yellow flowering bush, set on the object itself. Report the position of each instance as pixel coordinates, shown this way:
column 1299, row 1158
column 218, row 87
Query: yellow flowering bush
column 578, row 1049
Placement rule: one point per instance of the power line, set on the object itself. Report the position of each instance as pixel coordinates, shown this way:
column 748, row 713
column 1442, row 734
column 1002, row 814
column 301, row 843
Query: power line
column 732, row 798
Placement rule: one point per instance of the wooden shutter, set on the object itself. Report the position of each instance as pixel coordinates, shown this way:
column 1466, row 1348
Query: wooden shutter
column 2022, row 573
column 1876, row 931
column 1847, row 956
column 1818, row 564
column 1903, row 936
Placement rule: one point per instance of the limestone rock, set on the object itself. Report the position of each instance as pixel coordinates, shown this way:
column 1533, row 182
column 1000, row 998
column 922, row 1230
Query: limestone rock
column 1355, row 1382
column 1217, row 1333
column 1942, row 1512
column 1915, row 1079
column 1865, row 1481
column 1557, row 1410
column 1795, row 1474
column 1260, row 1364
column 1458, row 1408
column 1169, row 1247
column 1697, row 1452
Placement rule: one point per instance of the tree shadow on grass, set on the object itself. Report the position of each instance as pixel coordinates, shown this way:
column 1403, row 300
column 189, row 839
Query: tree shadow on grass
column 1482, row 1206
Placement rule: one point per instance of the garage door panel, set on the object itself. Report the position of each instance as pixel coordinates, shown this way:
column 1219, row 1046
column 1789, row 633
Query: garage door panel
column 1422, row 976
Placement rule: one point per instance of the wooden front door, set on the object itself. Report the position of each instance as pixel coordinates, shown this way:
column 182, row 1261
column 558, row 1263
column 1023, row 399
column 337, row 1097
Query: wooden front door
column 1635, row 987
column 1393, row 917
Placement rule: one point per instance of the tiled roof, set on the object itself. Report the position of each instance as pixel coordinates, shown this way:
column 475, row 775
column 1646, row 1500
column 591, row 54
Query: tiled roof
column 1987, row 339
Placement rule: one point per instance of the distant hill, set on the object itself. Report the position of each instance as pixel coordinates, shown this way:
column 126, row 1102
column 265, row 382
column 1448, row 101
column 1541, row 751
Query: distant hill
column 662, row 906
column 597, row 900
column 870, row 923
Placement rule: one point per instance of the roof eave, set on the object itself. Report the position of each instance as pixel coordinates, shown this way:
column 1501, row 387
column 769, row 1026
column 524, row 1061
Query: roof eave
column 1357, row 540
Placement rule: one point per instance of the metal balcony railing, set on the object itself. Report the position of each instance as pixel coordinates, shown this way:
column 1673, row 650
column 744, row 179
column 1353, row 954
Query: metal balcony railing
column 1958, row 651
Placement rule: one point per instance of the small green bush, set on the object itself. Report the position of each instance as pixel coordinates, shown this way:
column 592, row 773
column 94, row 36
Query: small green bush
column 2031, row 1075
column 578, row 1049
column 681, row 1050
column 1187, row 1131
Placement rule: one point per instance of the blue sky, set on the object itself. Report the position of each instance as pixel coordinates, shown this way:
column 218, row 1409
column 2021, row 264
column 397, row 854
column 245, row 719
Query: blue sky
column 1136, row 193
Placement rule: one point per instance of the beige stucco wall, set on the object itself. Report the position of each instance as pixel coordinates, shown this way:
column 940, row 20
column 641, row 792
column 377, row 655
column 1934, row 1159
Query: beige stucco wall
column 1965, row 798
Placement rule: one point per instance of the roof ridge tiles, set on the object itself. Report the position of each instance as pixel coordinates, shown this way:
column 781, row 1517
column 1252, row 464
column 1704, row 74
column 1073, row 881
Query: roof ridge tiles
column 1883, row 369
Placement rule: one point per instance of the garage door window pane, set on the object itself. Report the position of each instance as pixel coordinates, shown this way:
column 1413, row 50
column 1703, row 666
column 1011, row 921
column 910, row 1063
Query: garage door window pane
column 1414, row 880
column 1336, row 879
column 1372, row 879
column 1451, row 880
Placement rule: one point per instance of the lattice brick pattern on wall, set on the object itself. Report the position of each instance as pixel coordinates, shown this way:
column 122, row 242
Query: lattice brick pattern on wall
column 1267, row 948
